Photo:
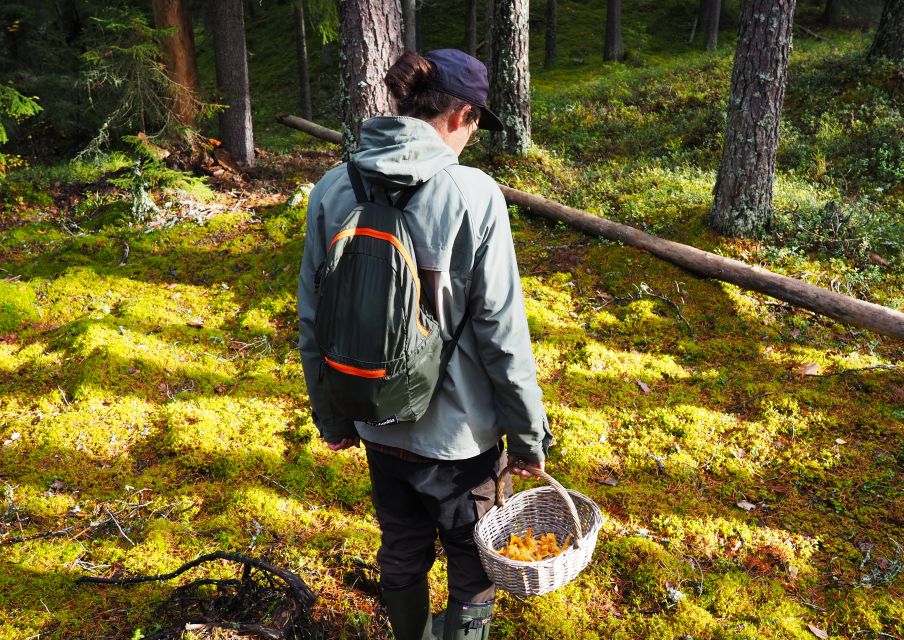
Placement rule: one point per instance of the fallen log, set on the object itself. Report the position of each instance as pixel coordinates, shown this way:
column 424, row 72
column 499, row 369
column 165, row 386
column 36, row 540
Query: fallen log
column 311, row 128
column 845, row 309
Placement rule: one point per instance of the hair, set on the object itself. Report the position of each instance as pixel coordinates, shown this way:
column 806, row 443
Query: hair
column 409, row 83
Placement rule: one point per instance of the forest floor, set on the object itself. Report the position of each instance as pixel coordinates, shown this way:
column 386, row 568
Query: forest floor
column 747, row 455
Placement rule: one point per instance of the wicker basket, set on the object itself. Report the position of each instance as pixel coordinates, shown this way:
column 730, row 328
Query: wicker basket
column 544, row 509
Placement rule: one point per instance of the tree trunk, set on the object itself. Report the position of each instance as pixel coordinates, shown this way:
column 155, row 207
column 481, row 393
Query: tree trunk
column 71, row 20
column 845, row 309
column 743, row 191
column 889, row 40
column 471, row 27
column 232, row 80
column 699, row 18
column 301, row 55
column 831, row 16
column 370, row 34
column 181, row 63
column 490, row 17
column 713, row 9
column 409, row 24
column 552, row 17
column 614, row 49
column 510, row 77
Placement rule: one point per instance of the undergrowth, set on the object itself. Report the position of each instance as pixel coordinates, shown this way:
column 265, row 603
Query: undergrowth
column 747, row 455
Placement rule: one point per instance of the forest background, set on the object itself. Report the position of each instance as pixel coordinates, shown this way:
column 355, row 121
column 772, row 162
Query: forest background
column 747, row 454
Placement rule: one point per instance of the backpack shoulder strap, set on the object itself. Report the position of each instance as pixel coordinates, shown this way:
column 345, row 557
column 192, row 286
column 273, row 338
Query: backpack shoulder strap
column 405, row 197
column 357, row 184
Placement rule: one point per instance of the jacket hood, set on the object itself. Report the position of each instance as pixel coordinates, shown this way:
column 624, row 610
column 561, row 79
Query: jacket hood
column 399, row 151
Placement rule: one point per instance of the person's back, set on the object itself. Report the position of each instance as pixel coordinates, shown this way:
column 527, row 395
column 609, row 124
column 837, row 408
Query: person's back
column 437, row 474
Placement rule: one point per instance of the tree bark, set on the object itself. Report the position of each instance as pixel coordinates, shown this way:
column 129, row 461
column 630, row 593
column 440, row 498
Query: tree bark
column 552, row 18
column 370, row 34
column 698, row 20
column 713, row 9
column 301, row 55
column 614, row 49
column 231, row 60
column 889, row 39
column 510, row 77
column 743, row 191
column 831, row 16
column 471, row 27
column 181, row 63
column 845, row 309
column 490, row 16
column 409, row 24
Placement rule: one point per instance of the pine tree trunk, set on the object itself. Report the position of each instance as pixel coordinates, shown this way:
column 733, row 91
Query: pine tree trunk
column 743, row 191
column 552, row 17
column 471, row 27
column 490, row 15
column 614, row 49
column 409, row 24
column 301, row 55
column 370, row 33
column 232, row 80
column 181, row 63
column 713, row 9
column 889, row 39
column 699, row 19
column 831, row 16
column 510, row 77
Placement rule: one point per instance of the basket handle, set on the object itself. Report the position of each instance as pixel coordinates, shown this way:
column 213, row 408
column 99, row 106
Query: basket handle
column 563, row 493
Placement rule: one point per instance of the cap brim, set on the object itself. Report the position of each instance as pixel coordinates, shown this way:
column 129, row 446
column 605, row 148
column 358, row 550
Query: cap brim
column 489, row 120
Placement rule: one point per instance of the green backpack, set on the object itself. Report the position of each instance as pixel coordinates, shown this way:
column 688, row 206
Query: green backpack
column 383, row 355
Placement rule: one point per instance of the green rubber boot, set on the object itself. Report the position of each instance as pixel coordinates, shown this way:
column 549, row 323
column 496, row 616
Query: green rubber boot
column 409, row 611
column 467, row 620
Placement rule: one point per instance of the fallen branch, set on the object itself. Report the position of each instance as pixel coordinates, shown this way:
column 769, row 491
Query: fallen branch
column 845, row 309
column 299, row 589
column 311, row 128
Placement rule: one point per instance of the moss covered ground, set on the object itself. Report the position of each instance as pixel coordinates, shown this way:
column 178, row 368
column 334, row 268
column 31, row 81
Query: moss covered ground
column 747, row 455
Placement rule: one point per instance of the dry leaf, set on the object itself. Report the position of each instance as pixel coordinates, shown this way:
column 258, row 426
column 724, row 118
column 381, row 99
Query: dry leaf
column 746, row 506
column 792, row 572
column 807, row 369
column 819, row 633
column 197, row 323
column 643, row 386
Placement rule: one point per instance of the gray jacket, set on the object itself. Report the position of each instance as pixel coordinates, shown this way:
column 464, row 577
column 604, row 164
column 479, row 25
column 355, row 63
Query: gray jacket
column 458, row 221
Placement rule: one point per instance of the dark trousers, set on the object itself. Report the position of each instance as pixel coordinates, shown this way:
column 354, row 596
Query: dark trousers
column 416, row 500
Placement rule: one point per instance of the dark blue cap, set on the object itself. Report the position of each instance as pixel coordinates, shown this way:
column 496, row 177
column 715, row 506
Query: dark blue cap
column 464, row 77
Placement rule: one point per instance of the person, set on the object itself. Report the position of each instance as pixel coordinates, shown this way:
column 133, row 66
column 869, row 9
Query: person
column 436, row 476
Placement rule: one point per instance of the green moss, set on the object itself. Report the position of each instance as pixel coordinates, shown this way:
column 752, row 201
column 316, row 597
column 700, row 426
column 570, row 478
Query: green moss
column 17, row 306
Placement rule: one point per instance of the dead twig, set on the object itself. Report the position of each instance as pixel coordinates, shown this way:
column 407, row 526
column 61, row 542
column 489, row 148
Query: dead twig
column 116, row 522
column 295, row 584
column 39, row 536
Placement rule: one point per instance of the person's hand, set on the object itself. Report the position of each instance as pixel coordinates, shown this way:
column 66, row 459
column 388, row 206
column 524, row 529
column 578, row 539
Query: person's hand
column 523, row 467
column 345, row 443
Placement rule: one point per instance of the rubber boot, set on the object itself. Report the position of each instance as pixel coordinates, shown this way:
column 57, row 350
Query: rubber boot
column 467, row 620
column 409, row 611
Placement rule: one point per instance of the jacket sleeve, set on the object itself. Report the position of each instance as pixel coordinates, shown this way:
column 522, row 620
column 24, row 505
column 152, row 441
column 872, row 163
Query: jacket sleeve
column 500, row 325
column 331, row 427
